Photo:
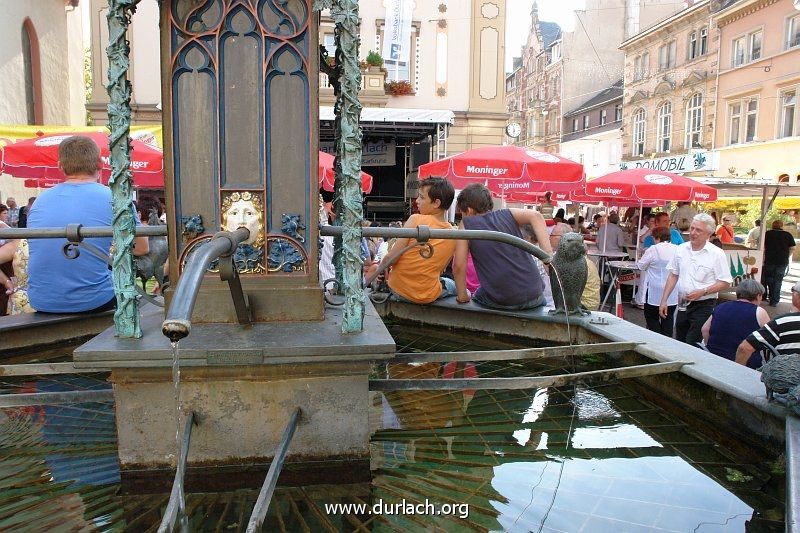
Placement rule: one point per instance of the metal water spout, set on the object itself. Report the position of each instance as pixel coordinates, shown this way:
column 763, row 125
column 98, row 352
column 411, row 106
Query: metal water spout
column 222, row 246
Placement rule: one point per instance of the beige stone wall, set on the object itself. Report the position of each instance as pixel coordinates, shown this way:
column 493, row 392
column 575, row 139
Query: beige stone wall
column 60, row 48
column 675, row 85
column 473, row 130
column 778, row 68
column 592, row 58
column 487, row 56
column 144, row 74
column 770, row 160
column 443, row 49
column 60, row 38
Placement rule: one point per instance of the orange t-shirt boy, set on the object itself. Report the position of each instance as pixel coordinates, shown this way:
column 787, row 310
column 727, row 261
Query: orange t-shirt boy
column 413, row 277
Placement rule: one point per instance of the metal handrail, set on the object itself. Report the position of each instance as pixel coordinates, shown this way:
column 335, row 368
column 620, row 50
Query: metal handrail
column 56, row 398
column 424, row 233
column 177, row 499
column 265, row 495
column 177, row 324
column 525, row 382
column 82, row 232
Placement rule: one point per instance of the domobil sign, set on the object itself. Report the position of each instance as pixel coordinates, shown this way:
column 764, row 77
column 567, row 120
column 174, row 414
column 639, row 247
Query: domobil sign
column 679, row 164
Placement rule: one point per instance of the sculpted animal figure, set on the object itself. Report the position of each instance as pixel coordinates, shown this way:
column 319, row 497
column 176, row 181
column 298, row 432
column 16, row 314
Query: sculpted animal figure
column 570, row 266
column 152, row 263
column 781, row 376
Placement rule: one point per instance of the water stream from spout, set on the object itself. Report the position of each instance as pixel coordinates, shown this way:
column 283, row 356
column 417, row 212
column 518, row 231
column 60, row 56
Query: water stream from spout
column 176, row 382
column 564, row 299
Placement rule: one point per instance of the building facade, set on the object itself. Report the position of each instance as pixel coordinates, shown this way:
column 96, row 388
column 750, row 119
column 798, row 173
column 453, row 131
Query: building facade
column 41, row 68
column 593, row 132
column 455, row 69
column 445, row 38
column 758, row 125
column 564, row 69
column 670, row 96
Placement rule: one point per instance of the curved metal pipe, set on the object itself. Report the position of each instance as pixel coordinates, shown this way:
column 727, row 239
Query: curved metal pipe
column 425, row 233
column 177, row 323
column 79, row 231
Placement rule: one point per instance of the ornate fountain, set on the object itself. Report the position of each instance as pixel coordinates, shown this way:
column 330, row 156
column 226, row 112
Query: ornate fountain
column 240, row 83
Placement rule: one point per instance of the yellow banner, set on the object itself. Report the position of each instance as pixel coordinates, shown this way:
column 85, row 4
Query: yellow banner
column 11, row 133
column 735, row 204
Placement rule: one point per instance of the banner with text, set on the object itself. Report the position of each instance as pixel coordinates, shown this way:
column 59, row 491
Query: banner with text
column 679, row 164
column 373, row 153
column 397, row 33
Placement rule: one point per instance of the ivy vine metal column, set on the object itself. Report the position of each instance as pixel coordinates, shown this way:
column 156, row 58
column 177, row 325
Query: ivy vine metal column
column 348, row 158
column 126, row 317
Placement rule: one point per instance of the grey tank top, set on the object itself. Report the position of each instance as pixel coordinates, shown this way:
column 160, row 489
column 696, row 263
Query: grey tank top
column 507, row 274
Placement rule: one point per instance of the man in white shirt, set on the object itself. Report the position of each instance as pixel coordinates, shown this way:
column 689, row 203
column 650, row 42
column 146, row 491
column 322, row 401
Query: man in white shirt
column 700, row 270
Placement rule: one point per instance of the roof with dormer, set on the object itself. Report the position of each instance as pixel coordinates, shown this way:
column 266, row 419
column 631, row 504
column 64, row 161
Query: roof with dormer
column 604, row 97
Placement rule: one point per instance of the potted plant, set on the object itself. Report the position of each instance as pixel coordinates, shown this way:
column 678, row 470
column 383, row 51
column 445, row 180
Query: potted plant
column 374, row 61
column 399, row 88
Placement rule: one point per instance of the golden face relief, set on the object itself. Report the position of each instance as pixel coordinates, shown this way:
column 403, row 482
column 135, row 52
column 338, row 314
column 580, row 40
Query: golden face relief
column 243, row 210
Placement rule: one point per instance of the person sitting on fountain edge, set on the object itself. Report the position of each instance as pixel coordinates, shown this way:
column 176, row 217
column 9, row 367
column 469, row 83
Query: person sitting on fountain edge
column 509, row 278
column 81, row 285
column 779, row 336
column 413, row 277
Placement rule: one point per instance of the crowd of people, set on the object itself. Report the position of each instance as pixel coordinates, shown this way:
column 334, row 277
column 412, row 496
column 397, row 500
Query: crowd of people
column 681, row 283
column 490, row 274
column 679, row 287
column 34, row 273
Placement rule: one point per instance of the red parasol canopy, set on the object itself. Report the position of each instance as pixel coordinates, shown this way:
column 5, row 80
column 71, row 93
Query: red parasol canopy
column 644, row 184
column 38, row 159
column 579, row 196
column 506, row 170
column 43, row 183
column 327, row 175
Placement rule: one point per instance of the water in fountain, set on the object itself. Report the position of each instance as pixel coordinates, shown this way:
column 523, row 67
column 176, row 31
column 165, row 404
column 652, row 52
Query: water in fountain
column 588, row 458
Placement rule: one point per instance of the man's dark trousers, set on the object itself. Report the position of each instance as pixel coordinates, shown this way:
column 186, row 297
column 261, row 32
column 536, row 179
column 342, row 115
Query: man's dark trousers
column 772, row 278
column 689, row 323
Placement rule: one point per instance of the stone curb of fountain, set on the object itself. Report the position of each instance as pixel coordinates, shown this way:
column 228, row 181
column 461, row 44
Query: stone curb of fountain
column 726, row 376
column 721, row 374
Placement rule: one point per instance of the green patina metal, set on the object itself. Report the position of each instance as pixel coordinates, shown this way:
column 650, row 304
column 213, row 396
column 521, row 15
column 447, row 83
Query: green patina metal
column 333, row 71
column 347, row 199
column 126, row 318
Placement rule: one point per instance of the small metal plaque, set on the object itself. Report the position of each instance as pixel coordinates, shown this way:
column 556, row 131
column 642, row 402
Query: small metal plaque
column 234, row 357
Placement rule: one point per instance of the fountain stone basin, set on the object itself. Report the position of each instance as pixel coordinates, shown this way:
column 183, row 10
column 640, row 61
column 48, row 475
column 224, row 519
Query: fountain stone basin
column 712, row 387
column 242, row 383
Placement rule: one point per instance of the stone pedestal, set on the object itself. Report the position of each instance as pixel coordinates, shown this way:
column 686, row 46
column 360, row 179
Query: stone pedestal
column 243, row 384
column 241, row 413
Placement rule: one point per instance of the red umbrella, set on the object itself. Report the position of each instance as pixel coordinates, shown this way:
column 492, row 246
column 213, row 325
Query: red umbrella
column 327, row 175
column 643, row 184
column 580, row 196
column 38, row 158
column 507, row 170
column 41, row 183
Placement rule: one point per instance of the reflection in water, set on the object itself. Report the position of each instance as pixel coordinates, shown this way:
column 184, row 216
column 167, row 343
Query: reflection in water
column 556, row 459
column 523, row 436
